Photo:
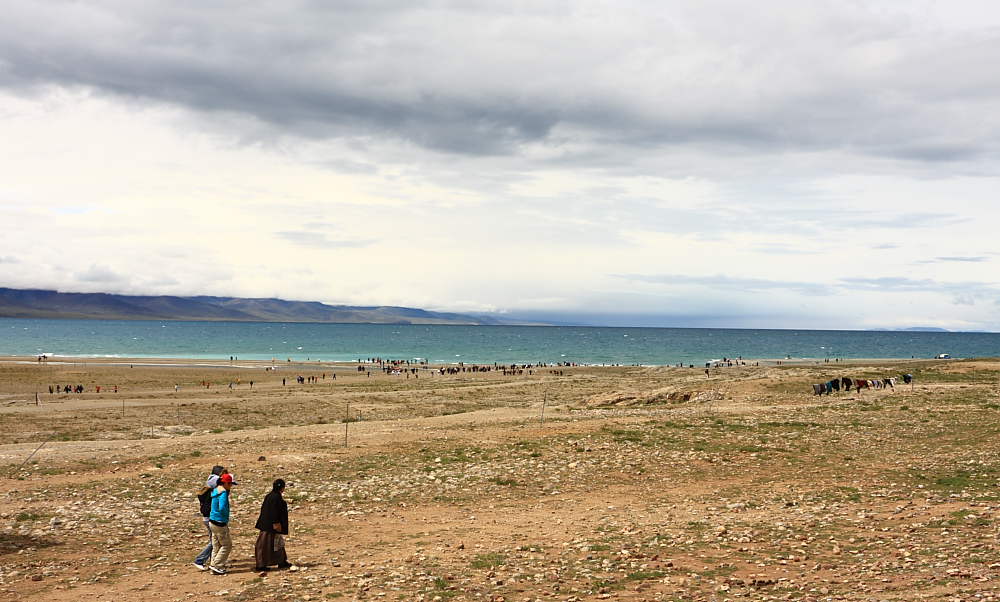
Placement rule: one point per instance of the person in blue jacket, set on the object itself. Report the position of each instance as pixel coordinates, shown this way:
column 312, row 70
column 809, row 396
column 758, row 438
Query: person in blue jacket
column 218, row 522
column 205, row 508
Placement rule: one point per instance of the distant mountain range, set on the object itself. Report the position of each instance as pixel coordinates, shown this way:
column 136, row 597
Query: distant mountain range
column 31, row 303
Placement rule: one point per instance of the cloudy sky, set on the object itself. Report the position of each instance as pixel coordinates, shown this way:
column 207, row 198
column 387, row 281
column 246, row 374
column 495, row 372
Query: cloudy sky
column 824, row 164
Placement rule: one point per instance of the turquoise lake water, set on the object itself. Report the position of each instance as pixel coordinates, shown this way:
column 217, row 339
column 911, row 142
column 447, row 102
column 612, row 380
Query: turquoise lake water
column 470, row 344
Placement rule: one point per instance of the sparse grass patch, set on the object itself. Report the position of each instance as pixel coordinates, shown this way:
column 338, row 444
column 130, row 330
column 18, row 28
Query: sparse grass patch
column 625, row 435
column 644, row 575
column 49, row 470
column 960, row 518
column 979, row 480
column 488, row 560
column 605, row 584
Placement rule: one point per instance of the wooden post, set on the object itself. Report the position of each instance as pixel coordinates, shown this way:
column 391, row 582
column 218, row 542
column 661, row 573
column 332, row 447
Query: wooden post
column 36, row 398
column 123, row 407
column 347, row 421
column 545, row 400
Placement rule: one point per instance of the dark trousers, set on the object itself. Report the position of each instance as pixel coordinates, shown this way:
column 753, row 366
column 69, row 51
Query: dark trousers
column 264, row 551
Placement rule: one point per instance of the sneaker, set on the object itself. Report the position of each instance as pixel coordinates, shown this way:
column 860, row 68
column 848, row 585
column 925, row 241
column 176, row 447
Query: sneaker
column 217, row 571
column 200, row 567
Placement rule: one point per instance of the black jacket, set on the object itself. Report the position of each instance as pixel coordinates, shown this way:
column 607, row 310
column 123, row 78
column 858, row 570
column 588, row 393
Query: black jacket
column 273, row 510
column 205, row 502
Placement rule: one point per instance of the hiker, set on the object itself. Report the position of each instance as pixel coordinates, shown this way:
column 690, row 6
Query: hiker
column 273, row 526
column 205, row 507
column 218, row 522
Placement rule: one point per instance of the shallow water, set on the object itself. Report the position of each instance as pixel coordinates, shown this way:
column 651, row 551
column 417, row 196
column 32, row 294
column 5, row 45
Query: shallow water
column 471, row 344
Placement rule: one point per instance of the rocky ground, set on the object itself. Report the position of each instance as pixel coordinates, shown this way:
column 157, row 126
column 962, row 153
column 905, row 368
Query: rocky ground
column 742, row 485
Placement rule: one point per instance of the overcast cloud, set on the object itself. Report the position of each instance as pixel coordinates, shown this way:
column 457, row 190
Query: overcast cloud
column 719, row 163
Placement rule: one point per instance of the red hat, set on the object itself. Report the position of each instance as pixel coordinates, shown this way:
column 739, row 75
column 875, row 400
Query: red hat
column 228, row 478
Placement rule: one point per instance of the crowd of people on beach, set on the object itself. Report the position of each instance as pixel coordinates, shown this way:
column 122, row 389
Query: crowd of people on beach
column 214, row 501
column 56, row 389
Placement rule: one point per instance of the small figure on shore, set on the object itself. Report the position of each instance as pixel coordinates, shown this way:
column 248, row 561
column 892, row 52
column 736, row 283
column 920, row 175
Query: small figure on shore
column 273, row 526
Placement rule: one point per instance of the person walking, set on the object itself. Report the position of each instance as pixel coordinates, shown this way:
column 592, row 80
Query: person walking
column 273, row 526
column 218, row 522
column 205, row 507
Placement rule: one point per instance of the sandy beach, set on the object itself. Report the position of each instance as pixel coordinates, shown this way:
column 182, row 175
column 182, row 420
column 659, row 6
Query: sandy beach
column 571, row 483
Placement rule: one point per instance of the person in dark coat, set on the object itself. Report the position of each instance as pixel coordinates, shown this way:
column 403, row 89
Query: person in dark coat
column 273, row 526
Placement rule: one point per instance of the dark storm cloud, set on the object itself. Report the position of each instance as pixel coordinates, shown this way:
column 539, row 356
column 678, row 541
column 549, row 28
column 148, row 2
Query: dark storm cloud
column 305, row 73
column 474, row 78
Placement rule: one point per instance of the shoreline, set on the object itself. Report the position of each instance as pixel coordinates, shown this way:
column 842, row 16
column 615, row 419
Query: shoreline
column 185, row 362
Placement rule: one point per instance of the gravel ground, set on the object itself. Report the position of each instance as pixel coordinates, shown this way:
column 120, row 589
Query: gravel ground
column 454, row 488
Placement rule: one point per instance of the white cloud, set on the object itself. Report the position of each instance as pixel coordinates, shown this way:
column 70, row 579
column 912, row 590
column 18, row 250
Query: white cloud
column 100, row 275
column 785, row 166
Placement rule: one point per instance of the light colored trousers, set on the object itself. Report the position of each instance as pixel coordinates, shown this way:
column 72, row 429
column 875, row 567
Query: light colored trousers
column 222, row 543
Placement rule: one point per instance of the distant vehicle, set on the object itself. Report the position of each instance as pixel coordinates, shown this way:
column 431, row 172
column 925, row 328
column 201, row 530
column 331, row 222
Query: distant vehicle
column 942, row 356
